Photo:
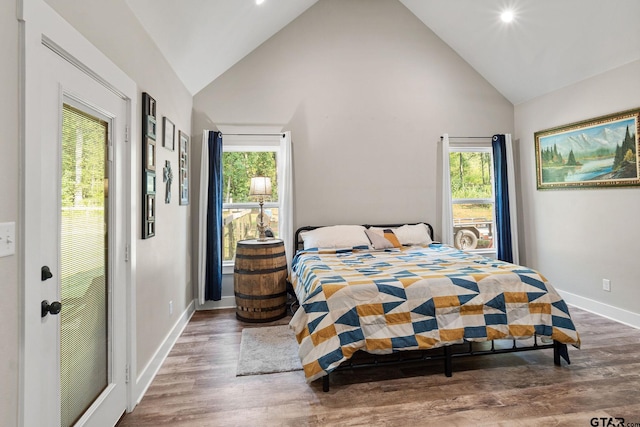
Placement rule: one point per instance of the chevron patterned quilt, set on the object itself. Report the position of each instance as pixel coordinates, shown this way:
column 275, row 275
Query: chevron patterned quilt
column 415, row 298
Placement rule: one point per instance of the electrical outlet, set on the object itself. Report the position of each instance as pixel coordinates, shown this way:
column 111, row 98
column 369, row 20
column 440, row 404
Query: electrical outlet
column 606, row 285
column 170, row 308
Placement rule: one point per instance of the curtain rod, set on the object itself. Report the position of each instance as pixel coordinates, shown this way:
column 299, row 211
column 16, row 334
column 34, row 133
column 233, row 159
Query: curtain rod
column 253, row 134
column 469, row 137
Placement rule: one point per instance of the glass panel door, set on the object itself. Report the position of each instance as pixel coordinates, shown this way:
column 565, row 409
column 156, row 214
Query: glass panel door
column 83, row 262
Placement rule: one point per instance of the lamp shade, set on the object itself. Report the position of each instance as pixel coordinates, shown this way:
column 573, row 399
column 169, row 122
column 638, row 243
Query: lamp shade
column 260, row 186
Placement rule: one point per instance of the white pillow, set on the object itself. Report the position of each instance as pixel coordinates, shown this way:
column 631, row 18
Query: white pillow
column 413, row 234
column 335, row 236
column 408, row 235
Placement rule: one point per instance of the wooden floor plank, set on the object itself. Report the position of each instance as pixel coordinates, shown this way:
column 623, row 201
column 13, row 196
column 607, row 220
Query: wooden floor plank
column 197, row 386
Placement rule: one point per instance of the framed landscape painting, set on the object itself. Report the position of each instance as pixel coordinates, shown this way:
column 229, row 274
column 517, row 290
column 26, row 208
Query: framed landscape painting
column 600, row 152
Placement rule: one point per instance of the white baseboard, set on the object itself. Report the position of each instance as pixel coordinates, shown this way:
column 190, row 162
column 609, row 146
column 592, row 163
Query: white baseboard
column 225, row 302
column 620, row 315
column 143, row 381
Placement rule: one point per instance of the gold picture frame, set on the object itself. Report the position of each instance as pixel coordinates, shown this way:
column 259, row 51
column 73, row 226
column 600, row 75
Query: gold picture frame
column 594, row 153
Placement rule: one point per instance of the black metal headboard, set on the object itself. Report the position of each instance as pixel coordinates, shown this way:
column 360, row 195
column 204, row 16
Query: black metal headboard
column 297, row 242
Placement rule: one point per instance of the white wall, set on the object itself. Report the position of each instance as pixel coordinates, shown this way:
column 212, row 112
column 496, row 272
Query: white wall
column 9, row 160
column 162, row 262
column 366, row 91
column 578, row 237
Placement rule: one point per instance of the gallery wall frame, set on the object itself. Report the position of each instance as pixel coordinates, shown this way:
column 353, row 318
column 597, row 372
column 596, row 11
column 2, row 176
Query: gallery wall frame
column 149, row 182
column 150, row 207
column 169, row 134
column 150, row 154
column 149, row 159
column 594, row 153
column 183, row 167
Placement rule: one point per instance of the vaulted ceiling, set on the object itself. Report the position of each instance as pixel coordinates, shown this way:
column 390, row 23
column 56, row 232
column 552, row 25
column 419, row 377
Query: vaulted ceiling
column 549, row 44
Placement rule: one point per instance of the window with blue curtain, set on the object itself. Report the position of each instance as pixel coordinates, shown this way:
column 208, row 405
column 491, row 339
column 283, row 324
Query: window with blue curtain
column 502, row 208
column 213, row 275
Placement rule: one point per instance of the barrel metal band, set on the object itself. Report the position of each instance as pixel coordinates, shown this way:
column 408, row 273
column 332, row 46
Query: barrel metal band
column 260, row 309
column 265, row 256
column 265, row 271
column 256, row 297
column 265, row 244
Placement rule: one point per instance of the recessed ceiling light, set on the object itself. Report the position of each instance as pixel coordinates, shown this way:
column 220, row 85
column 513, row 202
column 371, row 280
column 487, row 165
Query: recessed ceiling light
column 507, row 16
column 259, row 1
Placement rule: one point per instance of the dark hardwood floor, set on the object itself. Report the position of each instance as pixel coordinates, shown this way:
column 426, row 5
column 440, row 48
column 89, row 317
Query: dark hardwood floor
column 197, row 386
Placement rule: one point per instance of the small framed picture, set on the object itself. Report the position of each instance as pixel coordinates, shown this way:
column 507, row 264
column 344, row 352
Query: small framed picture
column 150, row 155
column 150, row 182
column 184, row 167
column 151, row 229
column 151, row 207
column 148, row 116
column 152, row 107
column 169, row 132
column 151, row 127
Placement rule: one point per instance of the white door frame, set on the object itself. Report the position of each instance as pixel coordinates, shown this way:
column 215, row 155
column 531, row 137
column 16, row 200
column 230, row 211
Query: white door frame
column 39, row 24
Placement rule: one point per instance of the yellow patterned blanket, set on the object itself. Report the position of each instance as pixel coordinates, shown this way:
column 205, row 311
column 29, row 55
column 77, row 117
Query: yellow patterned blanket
column 416, row 298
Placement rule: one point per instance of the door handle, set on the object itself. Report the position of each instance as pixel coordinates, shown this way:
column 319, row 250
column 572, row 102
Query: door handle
column 45, row 273
column 53, row 308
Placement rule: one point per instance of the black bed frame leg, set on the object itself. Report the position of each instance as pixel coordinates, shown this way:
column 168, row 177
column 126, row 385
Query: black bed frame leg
column 448, row 365
column 560, row 350
column 325, row 383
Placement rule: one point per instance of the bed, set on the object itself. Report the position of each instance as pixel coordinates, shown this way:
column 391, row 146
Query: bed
column 390, row 289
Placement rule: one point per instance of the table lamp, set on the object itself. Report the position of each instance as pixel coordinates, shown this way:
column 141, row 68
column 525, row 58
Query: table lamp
column 260, row 189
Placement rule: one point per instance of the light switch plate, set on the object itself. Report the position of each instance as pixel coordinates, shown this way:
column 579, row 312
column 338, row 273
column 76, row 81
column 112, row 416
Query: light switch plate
column 7, row 238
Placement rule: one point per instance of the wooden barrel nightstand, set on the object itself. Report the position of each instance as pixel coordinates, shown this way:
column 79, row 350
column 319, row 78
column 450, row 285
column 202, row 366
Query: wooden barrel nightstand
column 259, row 280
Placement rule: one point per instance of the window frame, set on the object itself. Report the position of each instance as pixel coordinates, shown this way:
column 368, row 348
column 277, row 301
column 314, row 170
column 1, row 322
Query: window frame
column 242, row 145
column 477, row 147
